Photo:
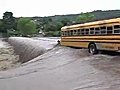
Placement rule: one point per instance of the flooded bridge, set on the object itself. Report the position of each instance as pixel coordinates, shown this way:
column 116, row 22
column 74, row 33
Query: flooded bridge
column 62, row 68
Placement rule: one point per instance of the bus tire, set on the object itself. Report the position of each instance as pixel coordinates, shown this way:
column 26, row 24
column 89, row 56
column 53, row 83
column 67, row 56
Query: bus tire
column 92, row 49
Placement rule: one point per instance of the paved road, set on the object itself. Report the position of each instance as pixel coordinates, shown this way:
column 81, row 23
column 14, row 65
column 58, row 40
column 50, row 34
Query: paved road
column 65, row 68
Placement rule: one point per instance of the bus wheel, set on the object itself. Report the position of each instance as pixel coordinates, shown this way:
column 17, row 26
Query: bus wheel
column 92, row 49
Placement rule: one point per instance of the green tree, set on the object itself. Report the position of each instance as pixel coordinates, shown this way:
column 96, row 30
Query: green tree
column 85, row 17
column 1, row 25
column 26, row 26
column 65, row 21
column 8, row 21
column 53, row 28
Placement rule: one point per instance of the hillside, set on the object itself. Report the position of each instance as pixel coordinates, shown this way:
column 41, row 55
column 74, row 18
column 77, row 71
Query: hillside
column 99, row 15
column 51, row 25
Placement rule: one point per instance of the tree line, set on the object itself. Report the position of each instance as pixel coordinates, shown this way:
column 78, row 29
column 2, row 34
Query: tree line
column 9, row 25
column 48, row 26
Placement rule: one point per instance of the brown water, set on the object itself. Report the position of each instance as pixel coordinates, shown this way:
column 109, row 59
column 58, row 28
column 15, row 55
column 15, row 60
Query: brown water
column 8, row 59
column 64, row 68
column 26, row 48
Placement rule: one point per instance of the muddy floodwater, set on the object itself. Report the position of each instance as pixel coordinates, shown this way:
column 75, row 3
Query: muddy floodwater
column 65, row 68
column 8, row 59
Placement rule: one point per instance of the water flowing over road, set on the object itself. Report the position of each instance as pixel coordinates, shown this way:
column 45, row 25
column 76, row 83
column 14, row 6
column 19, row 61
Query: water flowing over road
column 64, row 68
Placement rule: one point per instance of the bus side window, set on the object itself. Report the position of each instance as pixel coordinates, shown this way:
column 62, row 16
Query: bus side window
column 74, row 32
column 97, row 31
column 103, row 30
column 66, row 33
column 87, row 31
column 62, row 33
column 91, row 31
column 79, row 32
column 117, row 29
column 71, row 32
column 82, row 31
column 109, row 30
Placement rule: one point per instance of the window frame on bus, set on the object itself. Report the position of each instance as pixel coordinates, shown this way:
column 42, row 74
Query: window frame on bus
column 116, row 29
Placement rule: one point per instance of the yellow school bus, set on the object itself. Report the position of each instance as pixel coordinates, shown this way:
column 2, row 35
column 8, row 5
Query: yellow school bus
column 98, row 35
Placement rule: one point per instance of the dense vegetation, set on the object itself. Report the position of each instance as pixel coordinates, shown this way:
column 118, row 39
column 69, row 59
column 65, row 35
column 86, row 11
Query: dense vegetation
column 49, row 26
column 26, row 26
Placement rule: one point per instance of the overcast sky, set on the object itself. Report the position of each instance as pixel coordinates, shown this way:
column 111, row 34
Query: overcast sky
column 55, row 7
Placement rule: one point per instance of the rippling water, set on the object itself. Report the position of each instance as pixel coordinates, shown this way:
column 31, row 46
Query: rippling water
column 64, row 68
column 29, row 48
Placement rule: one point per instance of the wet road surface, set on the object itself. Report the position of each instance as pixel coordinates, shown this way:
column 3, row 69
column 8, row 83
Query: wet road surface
column 64, row 68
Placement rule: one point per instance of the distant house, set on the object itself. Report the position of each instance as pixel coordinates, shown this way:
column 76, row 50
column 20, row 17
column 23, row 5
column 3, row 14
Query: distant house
column 41, row 33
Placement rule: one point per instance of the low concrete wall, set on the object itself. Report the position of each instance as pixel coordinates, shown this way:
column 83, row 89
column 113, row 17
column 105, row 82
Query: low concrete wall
column 26, row 48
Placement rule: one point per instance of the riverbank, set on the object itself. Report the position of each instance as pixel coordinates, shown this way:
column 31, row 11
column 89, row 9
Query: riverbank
column 8, row 59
